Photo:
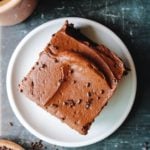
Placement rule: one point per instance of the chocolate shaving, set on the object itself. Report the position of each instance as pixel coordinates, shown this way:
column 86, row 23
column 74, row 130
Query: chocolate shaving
column 44, row 65
column 21, row 90
column 89, row 94
column 56, row 61
column 79, row 101
column 32, row 84
column 25, row 78
column 55, row 105
column 98, row 97
column 69, row 102
column 56, row 47
column 102, row 91
column 37, row 63
column 74, row 81
column 88, row 84
column 71, row 71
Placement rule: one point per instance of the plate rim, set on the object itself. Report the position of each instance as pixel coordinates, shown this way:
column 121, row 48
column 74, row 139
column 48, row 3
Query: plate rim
column 24, row 122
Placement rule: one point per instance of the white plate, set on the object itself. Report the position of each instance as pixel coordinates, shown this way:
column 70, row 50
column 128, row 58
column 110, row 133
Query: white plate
column 47, row 127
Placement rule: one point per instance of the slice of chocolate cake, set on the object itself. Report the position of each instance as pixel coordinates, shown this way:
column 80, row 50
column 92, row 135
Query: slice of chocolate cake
column 73, row 78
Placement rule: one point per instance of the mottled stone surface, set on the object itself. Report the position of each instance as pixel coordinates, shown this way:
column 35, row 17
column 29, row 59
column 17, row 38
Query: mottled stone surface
column 130, row 20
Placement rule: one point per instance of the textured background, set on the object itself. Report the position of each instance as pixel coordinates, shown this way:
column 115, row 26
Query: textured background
column 130, row 20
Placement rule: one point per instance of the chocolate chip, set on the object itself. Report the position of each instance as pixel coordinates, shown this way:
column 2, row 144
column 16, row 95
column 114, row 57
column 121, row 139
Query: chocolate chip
column 98, row 97
column 32, row 83
column 53, row 34
column 44, row 65
column 89, row 94
column 56, row 60
column 74, row 81
column 21, row 90
column 102, row 91
column 69, row 102
column 88, row 84
column 37, row 63
column 71, row 71
column 25, row 78
column 79, row 101
column 55, row 105
column 37, row 145
column 56, row 47
column 63, row 118
column 33, row 68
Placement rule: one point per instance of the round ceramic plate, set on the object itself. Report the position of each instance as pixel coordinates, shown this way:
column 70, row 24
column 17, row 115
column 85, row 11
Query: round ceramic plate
column 42, row 124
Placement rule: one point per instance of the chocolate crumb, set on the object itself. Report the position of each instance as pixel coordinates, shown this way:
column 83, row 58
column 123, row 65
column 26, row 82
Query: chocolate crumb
column 55, row 105
column 56, row 47
column 88, row 84
column 71, row 71
column 98, row 97
column 69, row 102
column 11, row 124
column 25, row 78
column 44, row 65
column 102, row 91
column 89, row 94
column 74, row 81
column 37, row 145
column 32, row 83
column 56, row 60
column 79, row 101
column 21, row 90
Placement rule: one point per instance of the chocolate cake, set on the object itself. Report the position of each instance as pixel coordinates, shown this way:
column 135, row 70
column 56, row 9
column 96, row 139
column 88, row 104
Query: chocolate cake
column 73, row 78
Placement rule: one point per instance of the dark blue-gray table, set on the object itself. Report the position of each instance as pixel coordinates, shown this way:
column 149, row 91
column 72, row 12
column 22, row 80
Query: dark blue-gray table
column 130, row 20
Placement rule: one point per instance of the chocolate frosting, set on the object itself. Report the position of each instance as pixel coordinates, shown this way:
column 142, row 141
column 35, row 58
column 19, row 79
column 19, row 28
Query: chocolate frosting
column 73, row 78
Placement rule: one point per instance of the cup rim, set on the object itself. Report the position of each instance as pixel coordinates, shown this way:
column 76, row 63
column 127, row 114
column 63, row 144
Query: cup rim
column 9, row 5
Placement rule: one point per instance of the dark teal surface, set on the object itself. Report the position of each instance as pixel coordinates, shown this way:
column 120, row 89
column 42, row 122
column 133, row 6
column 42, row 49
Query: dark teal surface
column 130, row 20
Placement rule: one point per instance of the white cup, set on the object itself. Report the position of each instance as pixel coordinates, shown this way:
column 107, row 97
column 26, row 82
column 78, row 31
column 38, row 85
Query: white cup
column 15, row 11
